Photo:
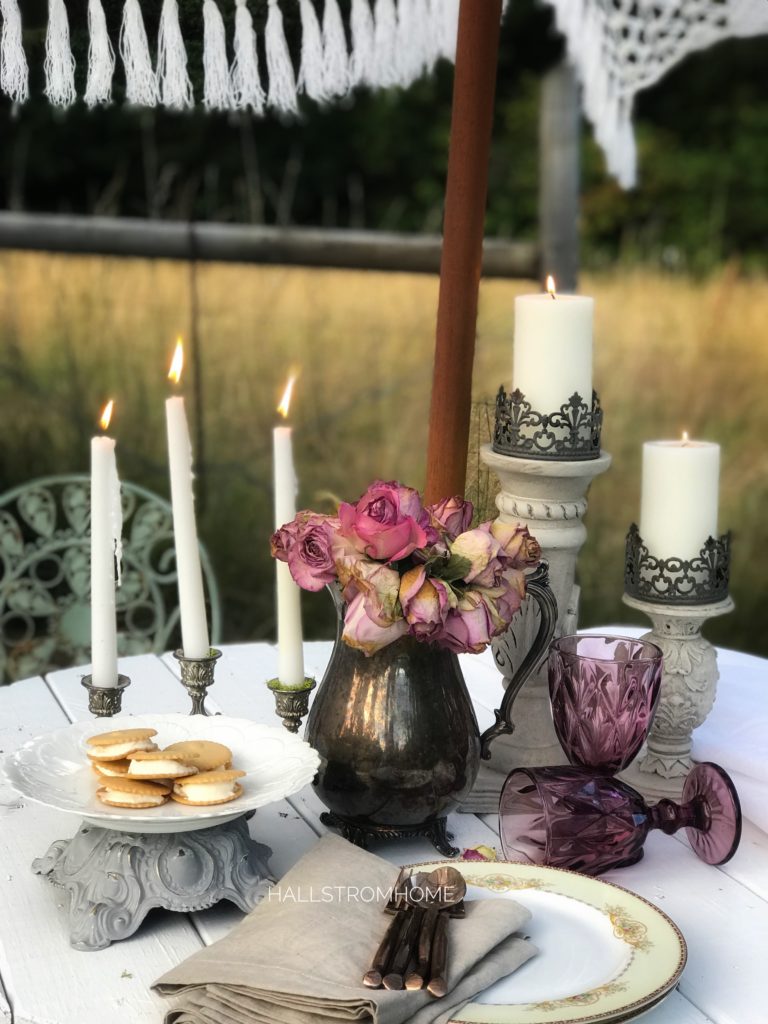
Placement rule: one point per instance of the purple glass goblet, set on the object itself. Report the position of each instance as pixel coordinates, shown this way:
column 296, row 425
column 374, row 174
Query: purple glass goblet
column 604, row 691
column 576, row 819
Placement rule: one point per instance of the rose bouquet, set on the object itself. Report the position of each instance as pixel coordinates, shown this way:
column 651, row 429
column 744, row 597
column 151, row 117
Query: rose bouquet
column 408, row 569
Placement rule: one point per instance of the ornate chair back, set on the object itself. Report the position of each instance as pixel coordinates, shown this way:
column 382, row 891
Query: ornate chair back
column 45, row 576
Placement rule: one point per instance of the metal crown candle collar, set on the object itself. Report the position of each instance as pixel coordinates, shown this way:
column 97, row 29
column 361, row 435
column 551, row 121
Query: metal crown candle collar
column 571, row 433
column 700, row 580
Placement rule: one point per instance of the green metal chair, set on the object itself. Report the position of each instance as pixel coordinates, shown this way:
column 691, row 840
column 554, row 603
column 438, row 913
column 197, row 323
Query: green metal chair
column 45, row 576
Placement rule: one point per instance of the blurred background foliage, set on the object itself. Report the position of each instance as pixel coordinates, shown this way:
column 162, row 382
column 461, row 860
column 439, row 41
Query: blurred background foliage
column 377, row 160
column 677, row 267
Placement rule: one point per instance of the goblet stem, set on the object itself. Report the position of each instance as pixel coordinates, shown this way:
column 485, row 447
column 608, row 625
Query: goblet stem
column 670, row 817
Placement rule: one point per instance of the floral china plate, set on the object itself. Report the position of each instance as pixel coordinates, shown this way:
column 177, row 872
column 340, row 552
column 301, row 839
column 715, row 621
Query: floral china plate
column 53, row 770
column 605, row 954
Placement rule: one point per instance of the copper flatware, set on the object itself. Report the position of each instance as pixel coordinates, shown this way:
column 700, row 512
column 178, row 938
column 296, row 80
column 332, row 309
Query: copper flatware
column 383, row 955
column 419, row 976
column 438, row 968
column 395, row 976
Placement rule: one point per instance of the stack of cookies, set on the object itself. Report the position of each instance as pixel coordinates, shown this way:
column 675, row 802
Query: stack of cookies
column 134, row 772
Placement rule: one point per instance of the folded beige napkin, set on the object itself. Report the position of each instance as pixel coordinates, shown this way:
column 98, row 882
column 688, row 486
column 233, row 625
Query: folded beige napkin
column 300, row 955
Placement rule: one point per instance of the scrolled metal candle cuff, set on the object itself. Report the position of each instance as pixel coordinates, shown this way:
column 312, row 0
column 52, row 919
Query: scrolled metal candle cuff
column 696, row 581
column 105, row 701
column 571, row 433
column 291, row 702
column 197, row 676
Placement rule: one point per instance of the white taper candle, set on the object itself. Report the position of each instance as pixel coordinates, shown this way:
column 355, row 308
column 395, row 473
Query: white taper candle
column 289, row 632
column 194, row 622
column 106, row 528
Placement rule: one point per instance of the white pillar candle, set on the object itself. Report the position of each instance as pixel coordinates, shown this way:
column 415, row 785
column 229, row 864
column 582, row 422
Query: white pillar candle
column 194, row 623
column 106, row 529
column 553, row 349
column 678, row 509
column 289, row 633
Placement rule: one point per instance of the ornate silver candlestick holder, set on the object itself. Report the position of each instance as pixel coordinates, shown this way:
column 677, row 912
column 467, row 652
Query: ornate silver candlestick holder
column 115, row 876
column 292, row 702
column 197, row 676
column 545, row 463
column 105, row 701
column 678, row 596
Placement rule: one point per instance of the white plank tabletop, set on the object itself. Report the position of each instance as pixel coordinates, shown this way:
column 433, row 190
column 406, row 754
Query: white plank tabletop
column 723, row 912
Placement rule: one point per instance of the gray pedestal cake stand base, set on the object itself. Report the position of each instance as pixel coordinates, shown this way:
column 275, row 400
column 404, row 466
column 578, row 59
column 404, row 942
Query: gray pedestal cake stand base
column 114, row 878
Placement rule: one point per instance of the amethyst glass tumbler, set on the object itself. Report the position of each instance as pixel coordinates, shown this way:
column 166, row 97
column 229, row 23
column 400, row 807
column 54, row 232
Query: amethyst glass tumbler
column 604, row 692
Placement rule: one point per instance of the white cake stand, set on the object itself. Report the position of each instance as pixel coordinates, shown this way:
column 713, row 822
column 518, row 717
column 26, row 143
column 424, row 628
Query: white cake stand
column 121, row 863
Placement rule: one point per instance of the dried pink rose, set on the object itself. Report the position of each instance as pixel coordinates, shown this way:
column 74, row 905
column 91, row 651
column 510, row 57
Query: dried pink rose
column 522, row 550
column 425, row 601
column 363, row 633
column 469, row 627
column 387, row 523
column 479, row 547
column 306, row 544
column 452, row 515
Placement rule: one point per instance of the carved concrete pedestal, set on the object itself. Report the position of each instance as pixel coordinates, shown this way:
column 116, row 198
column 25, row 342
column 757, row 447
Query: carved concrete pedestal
column 549, row 497
column 114, row 878
column 688, row 688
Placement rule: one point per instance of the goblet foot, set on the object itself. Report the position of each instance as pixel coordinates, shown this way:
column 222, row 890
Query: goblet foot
column 713, row 788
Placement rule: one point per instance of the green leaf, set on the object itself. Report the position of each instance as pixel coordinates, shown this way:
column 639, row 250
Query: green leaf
column 455, row 568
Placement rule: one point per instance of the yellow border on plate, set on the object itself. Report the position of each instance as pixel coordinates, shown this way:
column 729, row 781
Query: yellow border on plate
column 653, row 937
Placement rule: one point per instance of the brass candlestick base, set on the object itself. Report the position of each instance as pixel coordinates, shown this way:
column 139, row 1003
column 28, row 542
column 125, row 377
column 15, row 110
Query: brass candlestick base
column 105, row 701
column 291, row 702
column 197, row 676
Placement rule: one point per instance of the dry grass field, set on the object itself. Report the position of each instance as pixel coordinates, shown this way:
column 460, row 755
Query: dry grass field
column 671, row 354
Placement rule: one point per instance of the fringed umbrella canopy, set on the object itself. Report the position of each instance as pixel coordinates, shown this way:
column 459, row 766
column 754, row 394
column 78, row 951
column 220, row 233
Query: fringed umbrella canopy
column 260, row 54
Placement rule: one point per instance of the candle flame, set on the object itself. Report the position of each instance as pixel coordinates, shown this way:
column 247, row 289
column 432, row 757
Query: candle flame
column 285, row 401
column 106, row 416
column 177, row 363
column 551, row 287
column 685, row 437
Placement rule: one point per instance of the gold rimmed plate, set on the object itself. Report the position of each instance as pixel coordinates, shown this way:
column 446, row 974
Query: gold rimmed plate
column 605, row 954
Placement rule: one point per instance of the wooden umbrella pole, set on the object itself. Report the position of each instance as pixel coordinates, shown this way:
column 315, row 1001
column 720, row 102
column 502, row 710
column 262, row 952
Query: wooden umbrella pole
column 465, row 196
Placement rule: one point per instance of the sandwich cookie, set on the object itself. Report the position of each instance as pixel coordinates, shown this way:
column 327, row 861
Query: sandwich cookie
column 124, row 792
column 159, row 764
column 208, row 788
column 114, row 746
column 111, row 769
column 203, row 754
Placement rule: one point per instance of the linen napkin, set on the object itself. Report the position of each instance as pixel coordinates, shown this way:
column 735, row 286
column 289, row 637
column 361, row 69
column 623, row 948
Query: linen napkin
column 300, row 955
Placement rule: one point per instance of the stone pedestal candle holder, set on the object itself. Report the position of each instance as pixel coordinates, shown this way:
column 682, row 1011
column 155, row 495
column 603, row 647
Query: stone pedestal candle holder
column 678, row 596
column 545, row 465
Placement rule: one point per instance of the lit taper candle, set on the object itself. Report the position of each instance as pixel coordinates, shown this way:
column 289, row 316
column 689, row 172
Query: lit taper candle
column 106, row 530
column 194, row 623
column 289, row 633
column 553, row 348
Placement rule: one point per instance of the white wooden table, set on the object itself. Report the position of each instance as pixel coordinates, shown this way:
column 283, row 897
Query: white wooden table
column 722, row 912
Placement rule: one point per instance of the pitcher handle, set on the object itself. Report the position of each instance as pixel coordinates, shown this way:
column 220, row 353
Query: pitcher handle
column 537, row 587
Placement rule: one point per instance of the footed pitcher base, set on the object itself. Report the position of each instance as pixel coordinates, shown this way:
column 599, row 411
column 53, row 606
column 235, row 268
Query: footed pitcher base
column 435, row 831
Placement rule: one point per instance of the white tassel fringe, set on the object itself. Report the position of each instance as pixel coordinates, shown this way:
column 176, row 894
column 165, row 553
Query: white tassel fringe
column 282, row 84
column 101, row 57
column 335, row 56
column 361, row 61
column 140, row 79
column 218, row 87
column 175, row 86
column 311, row 73
column 247, row 91
column 59, row 62
column 14, row 73
column 384, row 70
